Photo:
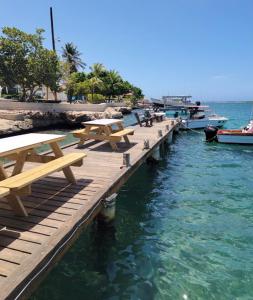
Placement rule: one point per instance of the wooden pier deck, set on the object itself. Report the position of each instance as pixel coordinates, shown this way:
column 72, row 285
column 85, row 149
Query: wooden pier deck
column 59, row 211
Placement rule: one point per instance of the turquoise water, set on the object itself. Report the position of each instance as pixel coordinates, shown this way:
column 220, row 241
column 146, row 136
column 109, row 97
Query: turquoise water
column 183, row 229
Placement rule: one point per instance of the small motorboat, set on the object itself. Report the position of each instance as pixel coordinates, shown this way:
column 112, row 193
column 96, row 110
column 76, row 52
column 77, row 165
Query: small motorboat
column 230, row 136
column 198, row 118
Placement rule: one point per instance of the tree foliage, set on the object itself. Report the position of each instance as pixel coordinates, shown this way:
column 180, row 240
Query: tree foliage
column 72, row 57
column 100, row 84
column 25, row 62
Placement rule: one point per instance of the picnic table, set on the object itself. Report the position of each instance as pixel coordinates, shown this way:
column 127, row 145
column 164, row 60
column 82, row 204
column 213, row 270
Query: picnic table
column 22, row 149
column 102, row 130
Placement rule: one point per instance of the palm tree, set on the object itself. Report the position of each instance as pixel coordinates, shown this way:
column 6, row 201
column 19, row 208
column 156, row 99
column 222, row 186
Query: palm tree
column 113, row 82
column 72, row 56
column 97, row 69
column 94, row 84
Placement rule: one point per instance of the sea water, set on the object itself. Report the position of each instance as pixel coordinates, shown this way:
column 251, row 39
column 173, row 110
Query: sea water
column 183, row 228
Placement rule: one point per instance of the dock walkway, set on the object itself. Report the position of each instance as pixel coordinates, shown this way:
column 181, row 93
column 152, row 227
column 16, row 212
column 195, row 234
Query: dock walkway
column 59, row 211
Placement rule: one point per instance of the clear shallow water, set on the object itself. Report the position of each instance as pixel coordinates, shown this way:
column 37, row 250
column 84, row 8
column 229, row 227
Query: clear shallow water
column 184, row 228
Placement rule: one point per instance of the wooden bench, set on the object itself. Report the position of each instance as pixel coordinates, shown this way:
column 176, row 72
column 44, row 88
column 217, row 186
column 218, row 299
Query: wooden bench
column 117, row 136
column 81, row 134
column 4, row 192
column 21, row 183
column 142, row 119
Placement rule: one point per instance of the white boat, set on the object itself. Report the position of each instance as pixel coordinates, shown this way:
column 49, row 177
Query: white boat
column 231, row 136
column 197, row 118
column 215, row 120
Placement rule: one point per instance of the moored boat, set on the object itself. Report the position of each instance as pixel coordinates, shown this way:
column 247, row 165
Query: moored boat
column 198, row 118
column 230, row 136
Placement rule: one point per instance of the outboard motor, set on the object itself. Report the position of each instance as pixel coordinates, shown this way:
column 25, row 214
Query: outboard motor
column 211, row 133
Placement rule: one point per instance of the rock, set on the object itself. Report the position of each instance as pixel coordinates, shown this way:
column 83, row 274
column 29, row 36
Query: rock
column 19, row 121
column 111, row 113
column 124, row 110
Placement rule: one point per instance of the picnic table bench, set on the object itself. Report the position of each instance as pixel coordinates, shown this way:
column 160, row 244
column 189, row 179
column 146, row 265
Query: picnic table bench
column 21, row 149
column 148, row 117
column 102, row 130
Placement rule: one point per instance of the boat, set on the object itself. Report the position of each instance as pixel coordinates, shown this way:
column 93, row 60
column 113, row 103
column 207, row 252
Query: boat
column 230, row 136
column 171, row 102
column 197, row 118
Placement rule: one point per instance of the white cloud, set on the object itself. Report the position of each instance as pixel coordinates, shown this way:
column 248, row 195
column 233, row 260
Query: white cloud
column 219, row 77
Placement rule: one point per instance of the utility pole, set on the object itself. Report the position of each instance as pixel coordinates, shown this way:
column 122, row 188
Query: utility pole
column 53, row 43
column 52, row 27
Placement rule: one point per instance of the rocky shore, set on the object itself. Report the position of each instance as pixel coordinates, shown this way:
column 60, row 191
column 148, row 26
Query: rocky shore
column 14, row 121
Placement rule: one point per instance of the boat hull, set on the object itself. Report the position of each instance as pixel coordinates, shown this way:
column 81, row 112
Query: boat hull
column 202, row 123
column 235, row 137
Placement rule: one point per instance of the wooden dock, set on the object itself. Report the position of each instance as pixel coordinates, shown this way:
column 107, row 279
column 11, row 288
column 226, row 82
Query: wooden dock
column 59, row 211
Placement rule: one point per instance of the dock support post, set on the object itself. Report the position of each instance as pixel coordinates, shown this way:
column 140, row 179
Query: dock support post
column 169, row 138
column 107, row 213
column 160, row 133
column 176, row 129
column 126, row 160
column 155, row 156
column 146, row 145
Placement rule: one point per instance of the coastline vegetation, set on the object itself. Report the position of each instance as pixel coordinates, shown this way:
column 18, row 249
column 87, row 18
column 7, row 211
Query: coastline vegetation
column 26, row 63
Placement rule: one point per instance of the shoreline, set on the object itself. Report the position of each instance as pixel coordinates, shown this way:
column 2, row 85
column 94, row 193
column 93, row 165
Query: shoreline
column 23, row 121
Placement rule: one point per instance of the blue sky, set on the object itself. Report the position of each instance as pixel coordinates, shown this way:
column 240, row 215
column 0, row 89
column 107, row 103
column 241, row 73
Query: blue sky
column 198, row 47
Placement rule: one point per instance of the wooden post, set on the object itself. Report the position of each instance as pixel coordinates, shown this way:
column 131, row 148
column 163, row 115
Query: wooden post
column 160, row 133
column 169, row 138
column 126, row 160
column 146, row 145
column 167, row 127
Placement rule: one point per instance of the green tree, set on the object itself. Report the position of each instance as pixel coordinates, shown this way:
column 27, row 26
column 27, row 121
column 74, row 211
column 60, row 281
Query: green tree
column 72, row 57
column 24, row 61
column 97, row 70
column 112, row 84
column 73, row 83
column 95, row 85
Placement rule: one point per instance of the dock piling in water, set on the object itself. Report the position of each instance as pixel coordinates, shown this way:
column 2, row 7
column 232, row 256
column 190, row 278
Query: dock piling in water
column 107, row 213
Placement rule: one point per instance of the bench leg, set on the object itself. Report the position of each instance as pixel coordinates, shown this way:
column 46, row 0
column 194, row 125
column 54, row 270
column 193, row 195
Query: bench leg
column 17, row 205
column 126, row 139
column 13, row 200
column 82, row 140
column 67, row 171
column 21, row 158
column 108, row 131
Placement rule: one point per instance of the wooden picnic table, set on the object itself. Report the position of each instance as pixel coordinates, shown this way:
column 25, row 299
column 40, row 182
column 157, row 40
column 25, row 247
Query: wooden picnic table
column 22, row 148
column 102, row 130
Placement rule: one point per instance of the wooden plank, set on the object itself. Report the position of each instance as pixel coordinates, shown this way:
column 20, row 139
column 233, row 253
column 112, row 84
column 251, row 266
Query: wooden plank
column 28, row 226
column 16, row 244
column 4, row 191
column 12, row 256
column 7, row 268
